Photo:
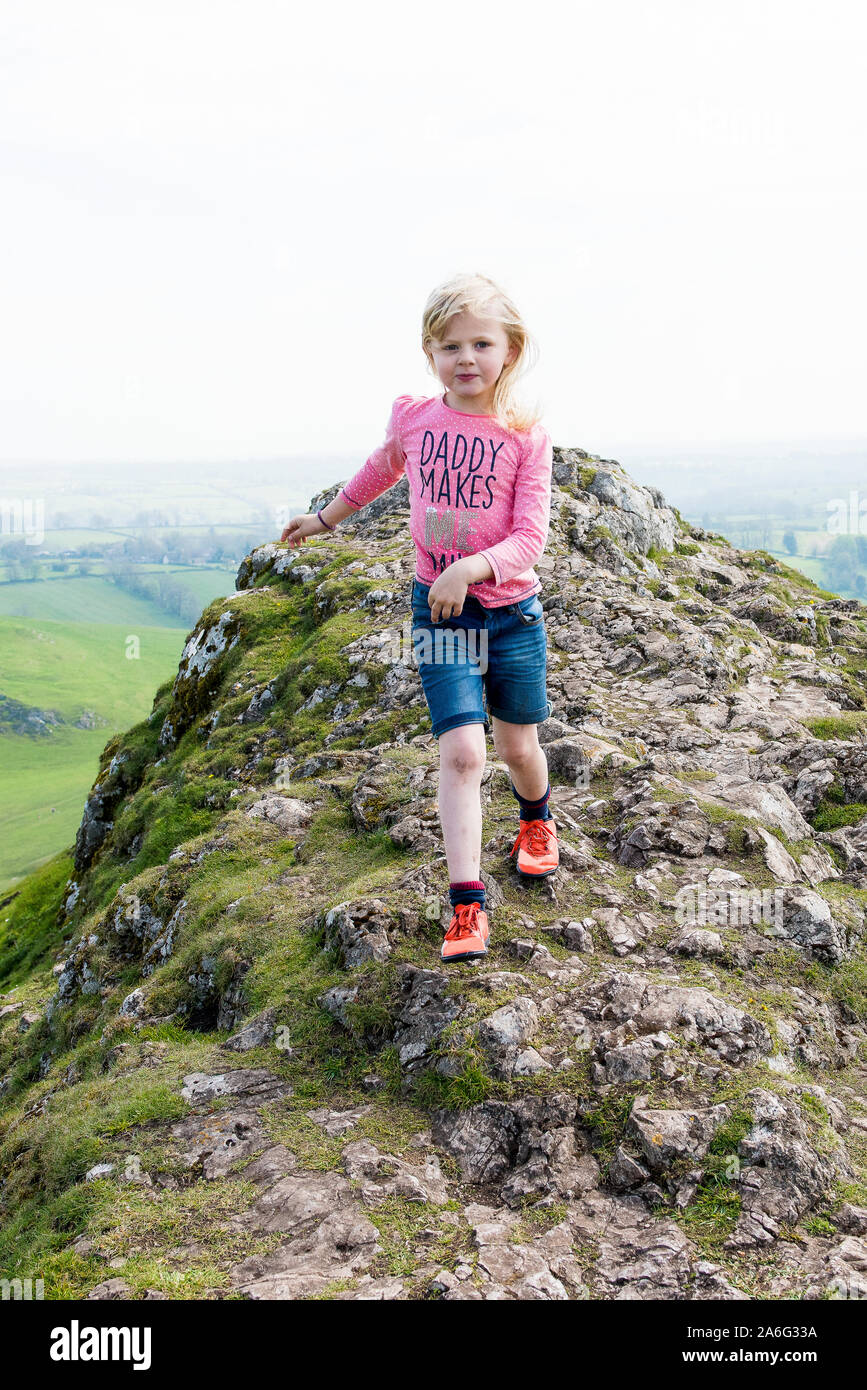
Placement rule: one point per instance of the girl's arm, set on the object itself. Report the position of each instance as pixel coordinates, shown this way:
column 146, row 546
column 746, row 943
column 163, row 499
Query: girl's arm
column 531, row 512
column 383, row 469
column 475, row 569
column 336, row 510
column 309, row 523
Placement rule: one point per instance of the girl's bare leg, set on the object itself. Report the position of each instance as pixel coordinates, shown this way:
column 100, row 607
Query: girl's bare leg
column 518, row 746
column 463, row 753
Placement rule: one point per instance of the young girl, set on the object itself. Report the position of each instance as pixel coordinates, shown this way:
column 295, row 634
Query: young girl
column 479, row 472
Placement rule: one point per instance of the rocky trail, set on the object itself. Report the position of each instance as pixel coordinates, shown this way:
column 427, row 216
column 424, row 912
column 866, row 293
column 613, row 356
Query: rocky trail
column 232, row 1064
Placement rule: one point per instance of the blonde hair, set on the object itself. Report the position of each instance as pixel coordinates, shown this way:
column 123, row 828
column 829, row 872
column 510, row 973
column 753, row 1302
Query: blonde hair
column 477, row 294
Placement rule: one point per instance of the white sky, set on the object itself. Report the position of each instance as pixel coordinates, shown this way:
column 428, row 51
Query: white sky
column 221, row 220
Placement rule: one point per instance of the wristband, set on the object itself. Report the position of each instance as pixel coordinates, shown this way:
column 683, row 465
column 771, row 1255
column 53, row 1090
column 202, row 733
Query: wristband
column 324, row 522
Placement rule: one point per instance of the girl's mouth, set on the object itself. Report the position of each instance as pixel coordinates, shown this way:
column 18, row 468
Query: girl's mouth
column 463, row 376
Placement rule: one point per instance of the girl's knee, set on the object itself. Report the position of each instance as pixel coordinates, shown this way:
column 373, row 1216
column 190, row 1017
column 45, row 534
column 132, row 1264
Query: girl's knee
column 462, row 750
column 515, row 743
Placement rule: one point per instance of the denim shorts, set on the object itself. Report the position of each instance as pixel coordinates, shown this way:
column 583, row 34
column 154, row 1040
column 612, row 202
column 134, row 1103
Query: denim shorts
column 484, row 661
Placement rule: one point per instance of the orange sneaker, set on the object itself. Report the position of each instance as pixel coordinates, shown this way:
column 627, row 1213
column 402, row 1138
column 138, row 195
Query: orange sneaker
column 467, row 937
column 537, row 847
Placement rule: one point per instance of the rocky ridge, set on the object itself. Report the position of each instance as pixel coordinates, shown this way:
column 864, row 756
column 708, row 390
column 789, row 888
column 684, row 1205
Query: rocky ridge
column 653, row 1087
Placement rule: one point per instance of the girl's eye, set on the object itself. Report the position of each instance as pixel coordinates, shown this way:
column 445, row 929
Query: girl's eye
column 481, row 343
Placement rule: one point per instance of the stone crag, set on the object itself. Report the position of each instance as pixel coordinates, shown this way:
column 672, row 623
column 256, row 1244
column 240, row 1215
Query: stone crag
column 236, row 1064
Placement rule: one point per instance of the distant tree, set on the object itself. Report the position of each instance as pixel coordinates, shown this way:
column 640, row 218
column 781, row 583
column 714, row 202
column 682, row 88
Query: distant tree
column 195, row 549
column 790, row 543
column 842, row 565
column 150, row 552
column 31, row 568
column 158, row 587
column 191, row 608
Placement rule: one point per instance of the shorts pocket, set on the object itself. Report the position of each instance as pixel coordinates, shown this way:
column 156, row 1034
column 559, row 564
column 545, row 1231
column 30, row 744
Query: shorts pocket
column 418, row 602
column 530, row 611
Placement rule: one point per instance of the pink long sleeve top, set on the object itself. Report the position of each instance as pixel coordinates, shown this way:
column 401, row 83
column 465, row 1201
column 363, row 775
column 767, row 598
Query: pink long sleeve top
column 475, row 488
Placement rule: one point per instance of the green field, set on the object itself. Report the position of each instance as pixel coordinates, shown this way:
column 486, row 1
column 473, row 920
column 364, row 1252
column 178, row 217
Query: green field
column 812, row 568
column 69, row 667
column 78, row 537
column 206, row 584
column 72, row 598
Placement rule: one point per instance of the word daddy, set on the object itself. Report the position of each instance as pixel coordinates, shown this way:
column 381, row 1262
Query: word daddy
column 75, row 1343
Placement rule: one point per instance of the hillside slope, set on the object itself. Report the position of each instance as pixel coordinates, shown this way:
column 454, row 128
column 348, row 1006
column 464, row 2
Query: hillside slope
column 231, row 1064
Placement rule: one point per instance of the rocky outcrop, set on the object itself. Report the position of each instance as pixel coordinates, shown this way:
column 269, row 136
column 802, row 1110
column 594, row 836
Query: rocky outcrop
column 783, row 1175
column 198, row 673
column 651, row 1088
column 27, row 720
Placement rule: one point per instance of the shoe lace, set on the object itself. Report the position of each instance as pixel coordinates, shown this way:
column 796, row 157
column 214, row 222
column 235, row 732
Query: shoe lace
column 535, row 835
column 466, row 921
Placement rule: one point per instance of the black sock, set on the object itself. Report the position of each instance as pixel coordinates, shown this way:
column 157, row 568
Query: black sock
column 533, row 810
column 471, row 891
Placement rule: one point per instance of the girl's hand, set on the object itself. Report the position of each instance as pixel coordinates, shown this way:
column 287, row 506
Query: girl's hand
column 300, row 527
column 447, row 593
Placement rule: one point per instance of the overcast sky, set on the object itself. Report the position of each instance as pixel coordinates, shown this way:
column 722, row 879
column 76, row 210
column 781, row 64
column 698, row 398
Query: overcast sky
column 221, row 220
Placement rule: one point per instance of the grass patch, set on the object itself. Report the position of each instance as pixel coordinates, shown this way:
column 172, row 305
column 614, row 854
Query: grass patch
column 29, row 928
column 846, row 725
column 833, row 810
column 713, row 1213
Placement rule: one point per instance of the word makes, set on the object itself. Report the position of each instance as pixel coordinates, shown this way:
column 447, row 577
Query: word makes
column 452, row 472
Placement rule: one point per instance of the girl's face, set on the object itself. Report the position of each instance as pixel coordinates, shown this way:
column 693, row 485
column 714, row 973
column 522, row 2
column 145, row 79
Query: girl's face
column 469, row 359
